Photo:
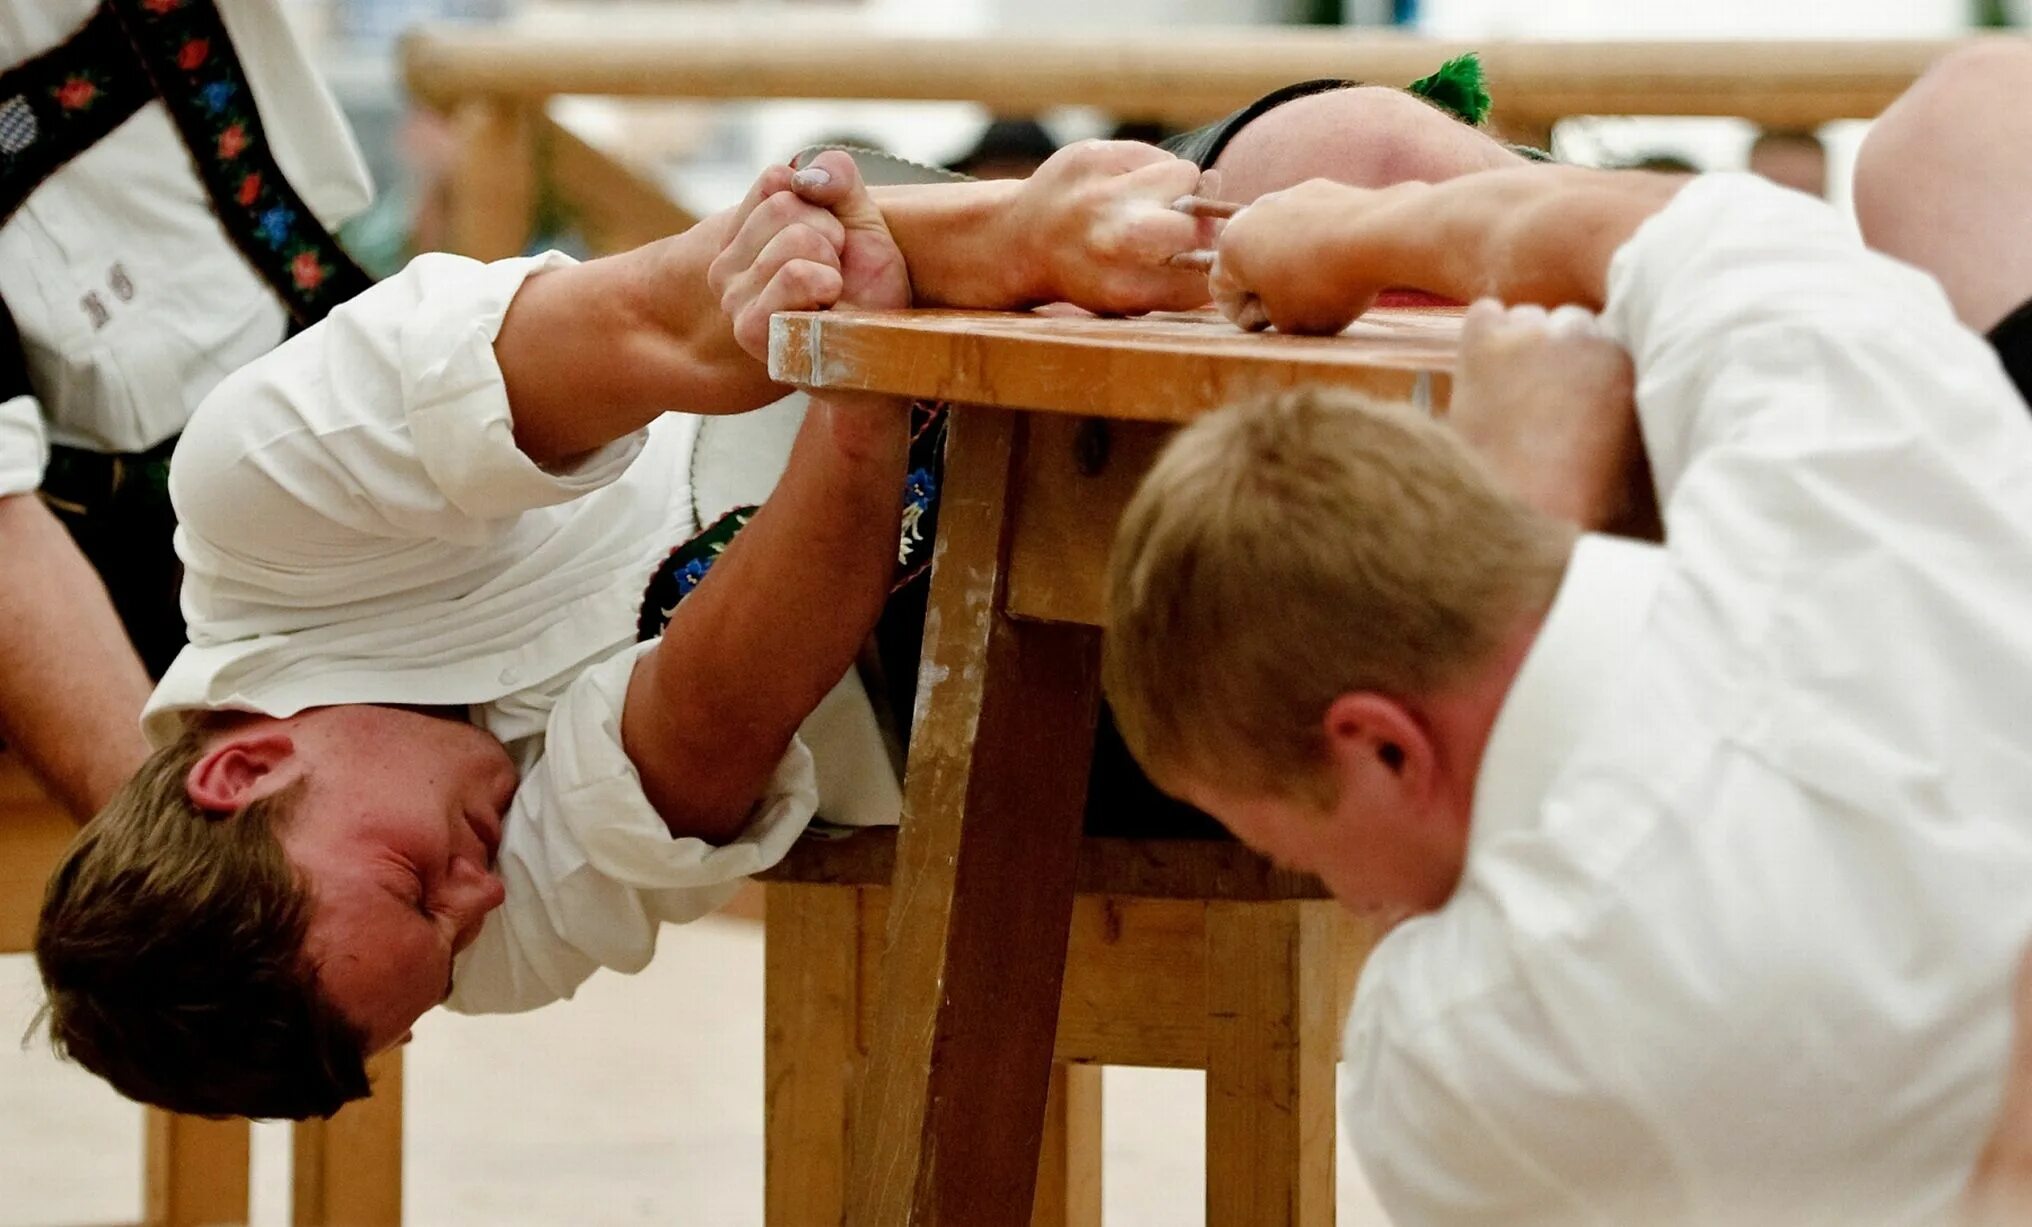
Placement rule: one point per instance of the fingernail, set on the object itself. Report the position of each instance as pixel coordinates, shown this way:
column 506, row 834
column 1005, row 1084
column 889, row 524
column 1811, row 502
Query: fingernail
column 811, row 177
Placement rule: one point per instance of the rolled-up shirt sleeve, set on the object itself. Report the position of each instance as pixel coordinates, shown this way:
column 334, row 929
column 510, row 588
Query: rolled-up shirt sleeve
column 590, row 869
column 24, row 445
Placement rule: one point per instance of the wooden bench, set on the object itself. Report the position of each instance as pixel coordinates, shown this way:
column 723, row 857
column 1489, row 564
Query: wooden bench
column 1182, row 954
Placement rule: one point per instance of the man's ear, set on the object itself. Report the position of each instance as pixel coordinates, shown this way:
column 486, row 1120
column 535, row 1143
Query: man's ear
column 241, row 767
column 1378, row 746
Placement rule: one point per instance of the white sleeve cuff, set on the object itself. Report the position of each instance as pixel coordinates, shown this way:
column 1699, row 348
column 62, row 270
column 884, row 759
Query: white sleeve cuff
column 457, row 401
column 24, row 446
column 591, row 871
column 623, row 837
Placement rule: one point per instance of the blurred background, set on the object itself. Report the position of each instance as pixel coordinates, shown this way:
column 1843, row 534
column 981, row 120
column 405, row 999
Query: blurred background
column 642, row 1101
column 705, row 155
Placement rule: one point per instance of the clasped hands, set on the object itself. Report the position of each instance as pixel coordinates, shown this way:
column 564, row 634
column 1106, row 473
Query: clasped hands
column 1092, row 227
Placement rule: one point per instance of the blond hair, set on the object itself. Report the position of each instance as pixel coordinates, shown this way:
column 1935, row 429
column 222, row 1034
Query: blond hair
column 1284, row 552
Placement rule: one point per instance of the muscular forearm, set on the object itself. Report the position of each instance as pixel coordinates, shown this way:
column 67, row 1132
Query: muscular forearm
column 957, row 240
column 71, row 687
column 1542, row 234
column 775, row 625
column 592, row 352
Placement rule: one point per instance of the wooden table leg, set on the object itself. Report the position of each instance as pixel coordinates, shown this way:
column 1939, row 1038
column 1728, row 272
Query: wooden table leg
column 347, row 1171
column 1069, row 1161
column 811, row 997
column 952, row 1106
column 195, row 1171
column 1271, row 1049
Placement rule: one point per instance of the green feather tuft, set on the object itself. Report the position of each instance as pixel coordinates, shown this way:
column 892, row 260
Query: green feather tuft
column 1457, row 87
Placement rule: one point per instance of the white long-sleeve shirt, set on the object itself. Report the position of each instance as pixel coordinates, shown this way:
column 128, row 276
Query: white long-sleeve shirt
column 131, row 300
column 1750, row 865
column 357, row 525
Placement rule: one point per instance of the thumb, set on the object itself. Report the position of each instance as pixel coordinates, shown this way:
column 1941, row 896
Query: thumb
column 832, row 181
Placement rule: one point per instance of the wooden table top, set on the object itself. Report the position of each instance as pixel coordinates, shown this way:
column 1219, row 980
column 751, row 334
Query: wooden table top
column 1157, row 368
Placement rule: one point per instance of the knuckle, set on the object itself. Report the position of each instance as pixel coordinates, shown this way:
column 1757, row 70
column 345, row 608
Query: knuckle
column 809, row 244
column 780, row 210
column 806, row 280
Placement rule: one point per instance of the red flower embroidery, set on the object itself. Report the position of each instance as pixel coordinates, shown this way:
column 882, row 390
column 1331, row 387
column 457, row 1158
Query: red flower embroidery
column 250, row 190
column 162, row 8
column 76, row 94
column 308, row 272
column 232, row 142
column 192, row 54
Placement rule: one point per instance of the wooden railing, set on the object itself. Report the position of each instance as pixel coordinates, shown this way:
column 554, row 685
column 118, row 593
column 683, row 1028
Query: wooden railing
column 495, row 82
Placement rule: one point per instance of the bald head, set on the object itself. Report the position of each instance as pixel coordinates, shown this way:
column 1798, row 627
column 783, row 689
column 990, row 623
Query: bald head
column 1366, row 136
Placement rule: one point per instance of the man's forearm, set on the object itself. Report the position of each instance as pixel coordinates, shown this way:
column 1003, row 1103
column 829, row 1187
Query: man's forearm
column 1540, row 234
column 592, row 352
column 71, row 686
column 595, row 351
column 775, row 625
column 956, row 239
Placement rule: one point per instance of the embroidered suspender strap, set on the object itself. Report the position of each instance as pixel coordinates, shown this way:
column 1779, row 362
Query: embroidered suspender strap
column 685, row 567
column 183, row 48
column 62, row 102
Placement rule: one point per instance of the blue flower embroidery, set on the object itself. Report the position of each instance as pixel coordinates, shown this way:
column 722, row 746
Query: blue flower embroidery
column 216, row 95
column 275, row 224
column 690, row 574
column 919, row 489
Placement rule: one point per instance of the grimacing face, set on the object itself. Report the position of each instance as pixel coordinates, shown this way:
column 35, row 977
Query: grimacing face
column 395, row 837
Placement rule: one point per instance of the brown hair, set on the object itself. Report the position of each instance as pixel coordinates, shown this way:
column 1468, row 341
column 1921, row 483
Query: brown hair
column 1284, row 552
column 171, row 949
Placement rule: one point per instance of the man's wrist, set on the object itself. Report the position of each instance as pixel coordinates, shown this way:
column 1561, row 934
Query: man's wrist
column 965, row 244
column 866, row 428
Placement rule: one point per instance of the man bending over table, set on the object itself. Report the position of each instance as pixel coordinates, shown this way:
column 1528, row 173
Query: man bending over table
column 1722, row 844
column 424, row 676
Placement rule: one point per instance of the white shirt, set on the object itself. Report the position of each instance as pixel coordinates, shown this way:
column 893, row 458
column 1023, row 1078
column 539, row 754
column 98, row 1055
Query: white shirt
column 358, row 526
column 131, row 300
column 1751, row 855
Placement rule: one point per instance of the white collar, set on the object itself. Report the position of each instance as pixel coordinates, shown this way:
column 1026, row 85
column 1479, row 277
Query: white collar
column 1580, row 652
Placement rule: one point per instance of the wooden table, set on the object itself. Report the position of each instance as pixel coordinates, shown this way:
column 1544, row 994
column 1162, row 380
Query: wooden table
column 1056, row 420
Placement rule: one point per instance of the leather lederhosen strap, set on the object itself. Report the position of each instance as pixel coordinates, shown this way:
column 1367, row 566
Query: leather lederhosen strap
column 183, row 48
column 130, row 52
column 61, row 103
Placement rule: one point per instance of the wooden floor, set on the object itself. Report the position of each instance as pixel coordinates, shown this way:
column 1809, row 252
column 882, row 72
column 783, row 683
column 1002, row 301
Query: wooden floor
column 639, row 1102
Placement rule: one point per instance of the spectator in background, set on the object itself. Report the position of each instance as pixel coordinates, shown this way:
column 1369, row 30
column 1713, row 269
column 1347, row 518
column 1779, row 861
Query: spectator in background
column 168, row 169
